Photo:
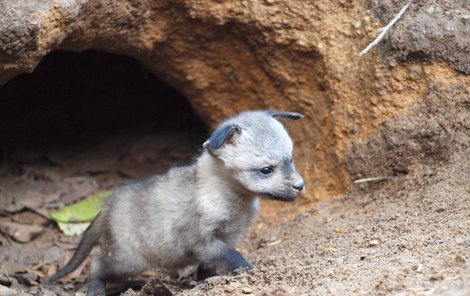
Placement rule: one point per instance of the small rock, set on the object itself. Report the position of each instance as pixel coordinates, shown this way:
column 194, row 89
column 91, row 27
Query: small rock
column 192, row 284
column 418, row 268
column 69, row 287
column 30, row 218
column 329, row 273
column 460, row 259
column 325, row 281
column 228, row 289
column 29, row 261
column 155, row 287
column 27, row 278
column 41, row 291
column 373, row 243
column 5, row 280
column 217, row 280
column 428, row 172
column 246, row 290
column 436, row 277
column 441, row 208
column 415, row 72
column 339, row 230
column 357, row 24
column 279, row 292
column 329, row 250
column 20, row 232
column 5, row 291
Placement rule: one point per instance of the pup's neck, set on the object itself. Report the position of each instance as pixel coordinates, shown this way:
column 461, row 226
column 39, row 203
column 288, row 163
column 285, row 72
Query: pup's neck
column 225, row 206
column 214, row 179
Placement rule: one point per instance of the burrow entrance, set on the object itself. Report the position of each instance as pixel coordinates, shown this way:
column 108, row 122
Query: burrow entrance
column 88, row 121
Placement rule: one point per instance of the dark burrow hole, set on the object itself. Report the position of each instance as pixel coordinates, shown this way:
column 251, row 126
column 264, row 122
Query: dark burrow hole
column 72, row 94
column 93, row 114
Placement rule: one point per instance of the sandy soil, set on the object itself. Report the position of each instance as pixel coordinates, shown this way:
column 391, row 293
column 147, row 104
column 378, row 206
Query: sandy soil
column 408, row 235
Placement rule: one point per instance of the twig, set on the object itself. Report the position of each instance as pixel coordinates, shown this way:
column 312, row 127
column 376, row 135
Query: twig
column 374, row 179
column 7, row 237
column 277, row 242
column 452, row 135
column 6, row 272
column 385, row 29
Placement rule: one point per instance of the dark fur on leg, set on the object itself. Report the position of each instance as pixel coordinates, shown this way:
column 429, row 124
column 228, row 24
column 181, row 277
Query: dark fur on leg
column 96, row 287
column 204, row 272
column 230, row 260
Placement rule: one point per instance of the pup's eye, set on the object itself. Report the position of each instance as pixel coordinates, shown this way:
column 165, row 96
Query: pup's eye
column 266, row 170
column 291, row 160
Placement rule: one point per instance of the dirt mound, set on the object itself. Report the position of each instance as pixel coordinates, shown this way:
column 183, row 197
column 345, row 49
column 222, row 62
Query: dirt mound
column 431, row 30
column 426, row 135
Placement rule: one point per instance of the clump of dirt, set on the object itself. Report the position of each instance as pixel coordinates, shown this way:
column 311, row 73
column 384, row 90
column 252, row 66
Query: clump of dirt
column 430, row 30
column 427, row 134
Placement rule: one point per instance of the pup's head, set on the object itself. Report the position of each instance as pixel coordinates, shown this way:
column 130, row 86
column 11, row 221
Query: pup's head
column 257, row 152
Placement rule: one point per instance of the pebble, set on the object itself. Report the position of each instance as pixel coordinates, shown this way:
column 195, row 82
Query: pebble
column 415, row 72
column 41, row 291
column 436, row 277
column 5, row 280
column 246, row 290
column 441, row 208
column 357, row 24
column 359, row 227
column 27, row 278
column 20, row 232
column 418, row 268
column 373, row 243
column 4, row 291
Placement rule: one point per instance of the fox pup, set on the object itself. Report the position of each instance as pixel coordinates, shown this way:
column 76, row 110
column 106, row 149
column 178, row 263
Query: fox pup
column 191, row 217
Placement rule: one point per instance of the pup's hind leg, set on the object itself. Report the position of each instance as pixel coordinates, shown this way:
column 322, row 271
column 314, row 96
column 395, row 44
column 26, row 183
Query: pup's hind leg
column 110, row 268
column 99, row 275
column 217, row 256
column 96, row 287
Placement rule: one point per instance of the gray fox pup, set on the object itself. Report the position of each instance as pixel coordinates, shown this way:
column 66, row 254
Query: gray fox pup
column 190, row 218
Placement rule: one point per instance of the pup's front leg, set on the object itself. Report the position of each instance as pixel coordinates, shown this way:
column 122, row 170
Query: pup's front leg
column 230, row 260
column 217, row 258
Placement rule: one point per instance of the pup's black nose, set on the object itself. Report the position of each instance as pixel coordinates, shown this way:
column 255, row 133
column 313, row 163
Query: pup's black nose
column 299, row 186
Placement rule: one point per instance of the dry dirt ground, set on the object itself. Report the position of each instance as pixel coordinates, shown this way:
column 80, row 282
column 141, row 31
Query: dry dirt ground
column 408, row 235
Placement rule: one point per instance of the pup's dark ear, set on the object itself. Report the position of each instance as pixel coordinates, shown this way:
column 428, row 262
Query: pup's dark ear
column 222, row 135
column 285, row 115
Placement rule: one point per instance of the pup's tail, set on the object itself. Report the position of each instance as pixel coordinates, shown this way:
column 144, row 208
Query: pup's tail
column 89, row 240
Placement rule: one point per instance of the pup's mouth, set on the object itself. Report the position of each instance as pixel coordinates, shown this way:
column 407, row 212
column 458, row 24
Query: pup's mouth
column 279, row 197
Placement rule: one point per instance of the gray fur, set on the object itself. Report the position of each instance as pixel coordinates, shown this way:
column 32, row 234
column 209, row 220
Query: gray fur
column 193, row 216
